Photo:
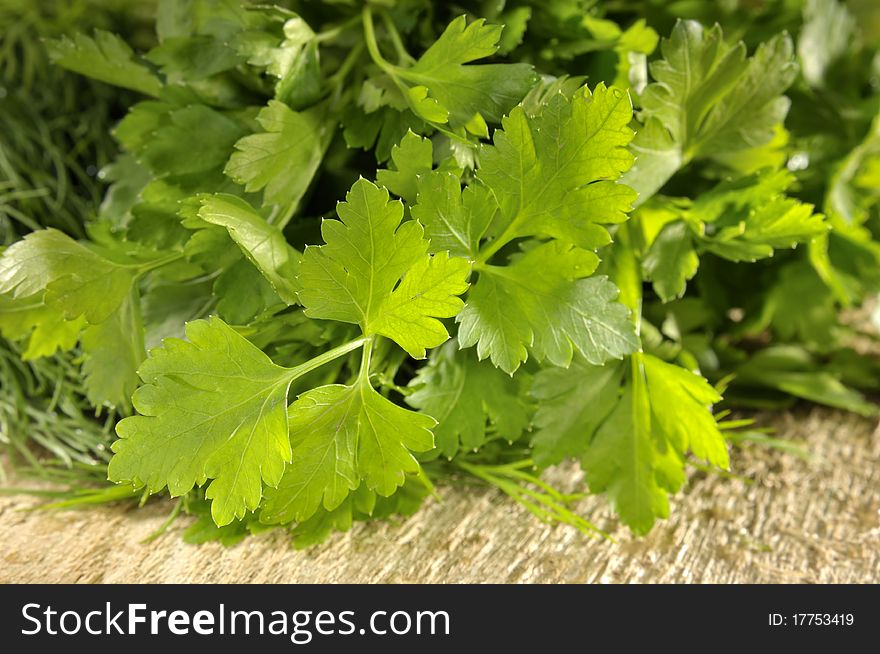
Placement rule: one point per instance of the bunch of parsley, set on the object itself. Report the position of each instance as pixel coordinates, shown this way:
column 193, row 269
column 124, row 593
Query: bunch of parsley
column 353, row 248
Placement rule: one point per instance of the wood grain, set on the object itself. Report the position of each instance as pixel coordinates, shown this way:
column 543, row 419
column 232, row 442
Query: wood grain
column 796, row 521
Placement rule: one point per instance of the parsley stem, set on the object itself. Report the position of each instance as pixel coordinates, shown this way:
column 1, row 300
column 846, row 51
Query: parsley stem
column 373, row 46
column 366, row 355
column 333, row 32
column 338, row 78
column 394, row 73
column 493, row 246
column 327, row 357
column 158, row 263
column 403, row 57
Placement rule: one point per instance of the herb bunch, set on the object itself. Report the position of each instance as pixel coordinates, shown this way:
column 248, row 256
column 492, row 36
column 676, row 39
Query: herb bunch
column 349, row 250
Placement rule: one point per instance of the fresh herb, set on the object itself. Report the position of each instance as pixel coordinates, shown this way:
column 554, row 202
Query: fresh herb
column 524, row 265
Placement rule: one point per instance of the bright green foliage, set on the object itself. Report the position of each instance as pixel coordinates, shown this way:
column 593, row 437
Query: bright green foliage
column 672, row 260
column 412, row 158
column 744, row 219
column 622, row 463
column 43, row 327
column 853, row 187
column 213, row 407
column 362, row 504
column 707, row 97
column 263, row 244
column 375, row 272
column 342, row 435
column 190, row 139
column 542, row 300
column 462, row 90
column 105, row 57
column 454, row 220
column 61, row 291
column 486, row 301
column 680, row 405
column 572, row 403
column 553, row 175
column 632, row 439
column 282, row 160
column 470, row 400
column 76, row 280
column 113, row 350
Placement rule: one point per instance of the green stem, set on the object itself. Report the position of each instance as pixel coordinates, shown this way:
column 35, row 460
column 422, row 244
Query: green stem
column 403, row 56
column 333, row 32
column 157, row 263
column 284, row 215
column 366, row 355
column 175, row 512
column 327, row 357
column 338, row 78
column 373, row 46
column 394, row 71
column 490, row 249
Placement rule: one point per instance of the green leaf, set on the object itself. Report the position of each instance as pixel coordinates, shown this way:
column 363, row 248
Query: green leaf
column 381, row 129
column 263, row 244
column 113, row 350
column 291, row 56
column 515, row 21
column 553, row 174
column 362, row 504
column 632, row 438
column 192, row 139
column 323, row 523
column 282, row 160
column 428, row 291
column 671, row 261
column 750, row 217
column 792, row 370
column 127, row 179
column 106, row 58
column 77, row 281
column 463, row 395
column 799, row 307
column 375, row 272
column 426, row 107
column 743, row 219
column 213, row 407
column 412, row 158
column 45, row 328
column 620, row 462
column 203, row 529
column 852, row 188
column 780, row 222
column 454, row 220
column 708, row 98
column 572, row 403
column 658, row 158
column 243, row 293
column 490, row 90
column 541, row 303
column 680, row 405
column 193, row 58
column 342, row 435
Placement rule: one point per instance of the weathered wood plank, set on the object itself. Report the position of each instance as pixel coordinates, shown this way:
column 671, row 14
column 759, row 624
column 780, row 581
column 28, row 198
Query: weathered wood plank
column 799, row 521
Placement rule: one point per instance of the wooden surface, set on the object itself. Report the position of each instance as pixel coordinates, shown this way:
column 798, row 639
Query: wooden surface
column 798, row 521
